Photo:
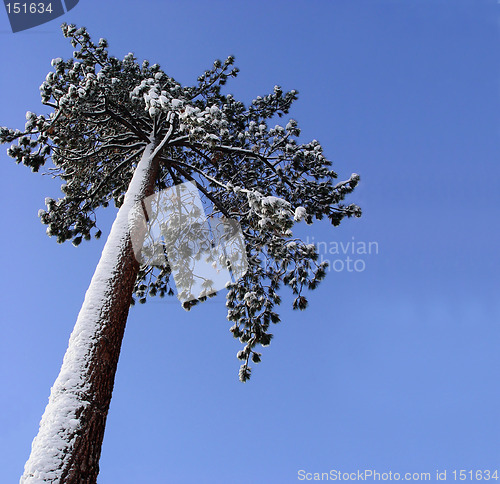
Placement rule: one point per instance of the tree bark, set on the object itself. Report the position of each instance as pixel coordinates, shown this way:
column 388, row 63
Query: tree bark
column 68, row 445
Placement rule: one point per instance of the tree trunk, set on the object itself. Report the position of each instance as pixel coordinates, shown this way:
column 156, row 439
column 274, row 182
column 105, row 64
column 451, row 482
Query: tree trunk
column 68, row 445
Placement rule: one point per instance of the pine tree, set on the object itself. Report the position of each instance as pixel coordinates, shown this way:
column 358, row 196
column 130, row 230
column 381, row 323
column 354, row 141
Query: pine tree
column 120, row 131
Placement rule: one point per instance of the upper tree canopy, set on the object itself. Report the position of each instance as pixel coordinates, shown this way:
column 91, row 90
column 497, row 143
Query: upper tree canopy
column 106, row 110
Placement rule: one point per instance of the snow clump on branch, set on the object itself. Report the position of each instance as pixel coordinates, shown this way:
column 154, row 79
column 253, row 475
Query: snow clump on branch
column 156, row 99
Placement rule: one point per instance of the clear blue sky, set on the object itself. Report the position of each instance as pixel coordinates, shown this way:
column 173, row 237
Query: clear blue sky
column 394, row 368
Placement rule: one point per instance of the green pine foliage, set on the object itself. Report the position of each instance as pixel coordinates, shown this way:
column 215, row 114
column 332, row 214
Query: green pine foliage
column 105, row 110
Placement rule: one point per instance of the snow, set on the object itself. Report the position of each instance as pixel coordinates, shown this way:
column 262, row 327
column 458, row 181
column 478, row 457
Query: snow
column 163, row 101
column 176, row 103
column 51, row 448
column 272, row 201
column 353, row 178
column 300, row 213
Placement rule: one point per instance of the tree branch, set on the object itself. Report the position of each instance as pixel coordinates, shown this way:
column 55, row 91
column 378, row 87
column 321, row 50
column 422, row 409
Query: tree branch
column 126, row 123
column 170, row 119
column 202, row 189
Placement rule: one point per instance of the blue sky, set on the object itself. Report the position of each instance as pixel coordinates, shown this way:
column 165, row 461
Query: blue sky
column 393, row 368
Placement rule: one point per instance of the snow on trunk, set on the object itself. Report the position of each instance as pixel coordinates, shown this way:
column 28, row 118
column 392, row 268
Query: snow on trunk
column 67, row 447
